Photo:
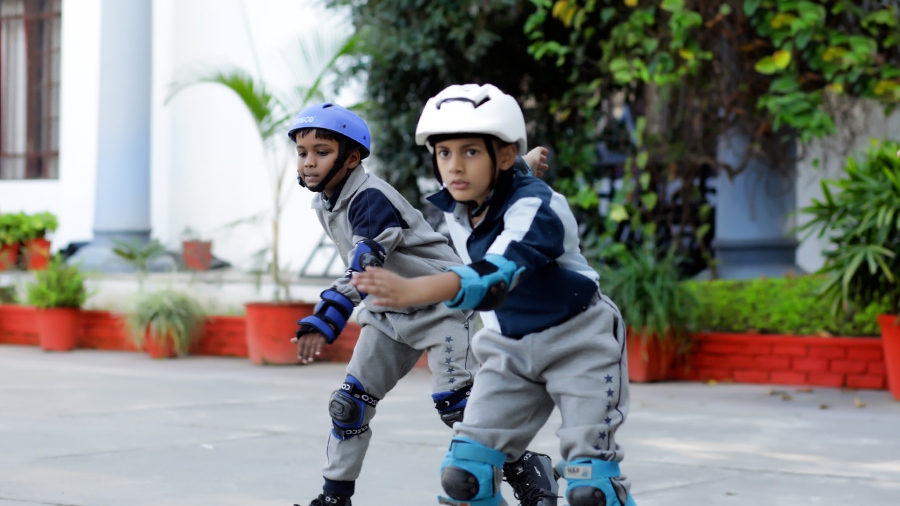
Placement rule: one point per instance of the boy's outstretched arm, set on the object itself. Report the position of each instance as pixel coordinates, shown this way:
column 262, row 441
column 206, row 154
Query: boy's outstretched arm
column 393, row 290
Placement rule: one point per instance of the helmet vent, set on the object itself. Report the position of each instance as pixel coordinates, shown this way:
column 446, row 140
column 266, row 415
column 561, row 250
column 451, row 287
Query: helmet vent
column 463, row 99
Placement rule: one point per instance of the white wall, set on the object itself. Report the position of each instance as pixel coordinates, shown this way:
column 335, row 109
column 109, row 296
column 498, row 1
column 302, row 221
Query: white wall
column 208, row 166
column 71, row 197
column 866, row 122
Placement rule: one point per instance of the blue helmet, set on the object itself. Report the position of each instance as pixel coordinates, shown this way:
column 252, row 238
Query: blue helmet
column 334, row 118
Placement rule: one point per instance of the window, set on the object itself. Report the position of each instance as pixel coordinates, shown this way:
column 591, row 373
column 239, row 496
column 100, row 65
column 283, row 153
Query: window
column 29, row 88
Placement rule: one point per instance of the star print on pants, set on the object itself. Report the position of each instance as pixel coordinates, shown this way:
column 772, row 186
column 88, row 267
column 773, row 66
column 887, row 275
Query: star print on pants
column 609, row 378
column 448, row 339
column 609, row 393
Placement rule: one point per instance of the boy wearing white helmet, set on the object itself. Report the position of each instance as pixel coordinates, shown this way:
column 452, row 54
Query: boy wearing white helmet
column 550, row 337
column 371, row 224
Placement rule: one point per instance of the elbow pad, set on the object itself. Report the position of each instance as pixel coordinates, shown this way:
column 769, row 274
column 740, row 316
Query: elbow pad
column 330, row 316
column 367, row 253
column 485, row 283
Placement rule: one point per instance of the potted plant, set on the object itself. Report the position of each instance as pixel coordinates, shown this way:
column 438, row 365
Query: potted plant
column 197, row 254
column 34, row 238
column 10, row 238
column 861, row 221
column 655, row 305
column 165, row 323
column 58, row 293
column 271, row 324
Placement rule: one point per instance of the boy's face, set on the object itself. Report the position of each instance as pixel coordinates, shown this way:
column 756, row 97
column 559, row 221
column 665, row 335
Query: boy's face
column 466, row 167
column 316, row 157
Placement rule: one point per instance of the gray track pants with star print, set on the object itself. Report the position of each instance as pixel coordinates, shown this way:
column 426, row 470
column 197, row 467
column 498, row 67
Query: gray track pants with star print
column 579, row 366
column 389, row 346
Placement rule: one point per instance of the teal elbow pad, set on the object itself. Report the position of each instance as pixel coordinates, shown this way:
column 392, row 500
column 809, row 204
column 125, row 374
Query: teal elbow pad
column 485, row 284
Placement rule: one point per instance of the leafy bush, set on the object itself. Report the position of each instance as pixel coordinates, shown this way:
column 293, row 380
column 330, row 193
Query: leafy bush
column 777, row 306
column 648, row 292
column 60, row 285
column 862, row 223
column 36, row 226
column 166, row 315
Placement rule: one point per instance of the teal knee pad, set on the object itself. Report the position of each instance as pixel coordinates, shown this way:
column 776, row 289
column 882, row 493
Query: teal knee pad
column 471, row 473
column 590, row 483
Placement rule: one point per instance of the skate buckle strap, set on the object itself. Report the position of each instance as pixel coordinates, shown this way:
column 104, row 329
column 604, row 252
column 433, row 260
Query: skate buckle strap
column 467, row 449
column 589, row 469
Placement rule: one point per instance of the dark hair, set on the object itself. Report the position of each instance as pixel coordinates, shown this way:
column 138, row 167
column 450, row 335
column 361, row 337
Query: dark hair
column 328, row 135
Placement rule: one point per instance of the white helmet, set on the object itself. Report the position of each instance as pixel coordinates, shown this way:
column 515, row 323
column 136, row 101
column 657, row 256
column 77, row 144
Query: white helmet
column 472, row 109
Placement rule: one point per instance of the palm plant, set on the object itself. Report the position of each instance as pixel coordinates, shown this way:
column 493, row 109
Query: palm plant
column 271, row 112
column 859, row 215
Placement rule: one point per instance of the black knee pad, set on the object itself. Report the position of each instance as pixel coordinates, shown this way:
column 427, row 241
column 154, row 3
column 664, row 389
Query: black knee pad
column 348, row 409
column 586, row 496
column 458, row 483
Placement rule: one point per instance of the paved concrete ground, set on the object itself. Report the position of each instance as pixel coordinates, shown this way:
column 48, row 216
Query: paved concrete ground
column 92, row 428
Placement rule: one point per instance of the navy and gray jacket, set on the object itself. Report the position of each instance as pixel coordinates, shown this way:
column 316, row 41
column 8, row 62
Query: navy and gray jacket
column 367, row 207
column 531, row 225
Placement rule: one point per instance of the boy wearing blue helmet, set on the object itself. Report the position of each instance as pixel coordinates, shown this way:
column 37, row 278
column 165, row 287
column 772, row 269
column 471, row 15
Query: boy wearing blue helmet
column 550, row 338
column 371, row 224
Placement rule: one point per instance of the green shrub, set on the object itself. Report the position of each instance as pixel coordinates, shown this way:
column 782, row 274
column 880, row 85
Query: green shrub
column 647, row 291
column 778, row 306
column 167, row 315
column 60, row 285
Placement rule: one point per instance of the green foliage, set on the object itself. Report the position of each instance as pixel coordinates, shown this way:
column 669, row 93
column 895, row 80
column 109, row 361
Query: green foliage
column 59, row 285
column 35, row 226
column 21, row 227
column 412, row 49
column 139, row 254
column 167, row 315
column 695, row 70
column 647, row 290
column 778, row 306
column 10, row 228
column 859, row 215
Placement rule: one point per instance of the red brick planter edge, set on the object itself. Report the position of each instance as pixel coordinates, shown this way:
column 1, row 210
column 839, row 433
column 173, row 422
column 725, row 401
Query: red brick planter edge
column 856, row 362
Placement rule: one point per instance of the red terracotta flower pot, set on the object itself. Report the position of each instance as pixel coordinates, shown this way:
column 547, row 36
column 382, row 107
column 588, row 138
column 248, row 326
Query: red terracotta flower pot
column 197, row 255
column 890, row 341
column 38, row 253
column 8, row 255
column 159, row 348
column 58, row 328
column 648, row 358
column 270, row 327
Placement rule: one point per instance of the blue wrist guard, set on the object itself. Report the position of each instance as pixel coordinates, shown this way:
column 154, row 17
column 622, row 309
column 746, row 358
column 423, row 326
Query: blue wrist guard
column 330, row 317
column 367, row 253
column 485, row 283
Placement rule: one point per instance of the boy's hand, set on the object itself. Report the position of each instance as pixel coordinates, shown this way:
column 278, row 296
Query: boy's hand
column 389, row 289
column 308, row 346
column 537, row 160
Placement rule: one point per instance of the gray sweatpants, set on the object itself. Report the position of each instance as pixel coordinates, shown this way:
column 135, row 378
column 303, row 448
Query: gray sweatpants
column 578, row 366
column 389, row 346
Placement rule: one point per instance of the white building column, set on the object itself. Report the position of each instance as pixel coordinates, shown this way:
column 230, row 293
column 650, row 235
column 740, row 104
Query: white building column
column 122, row 201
